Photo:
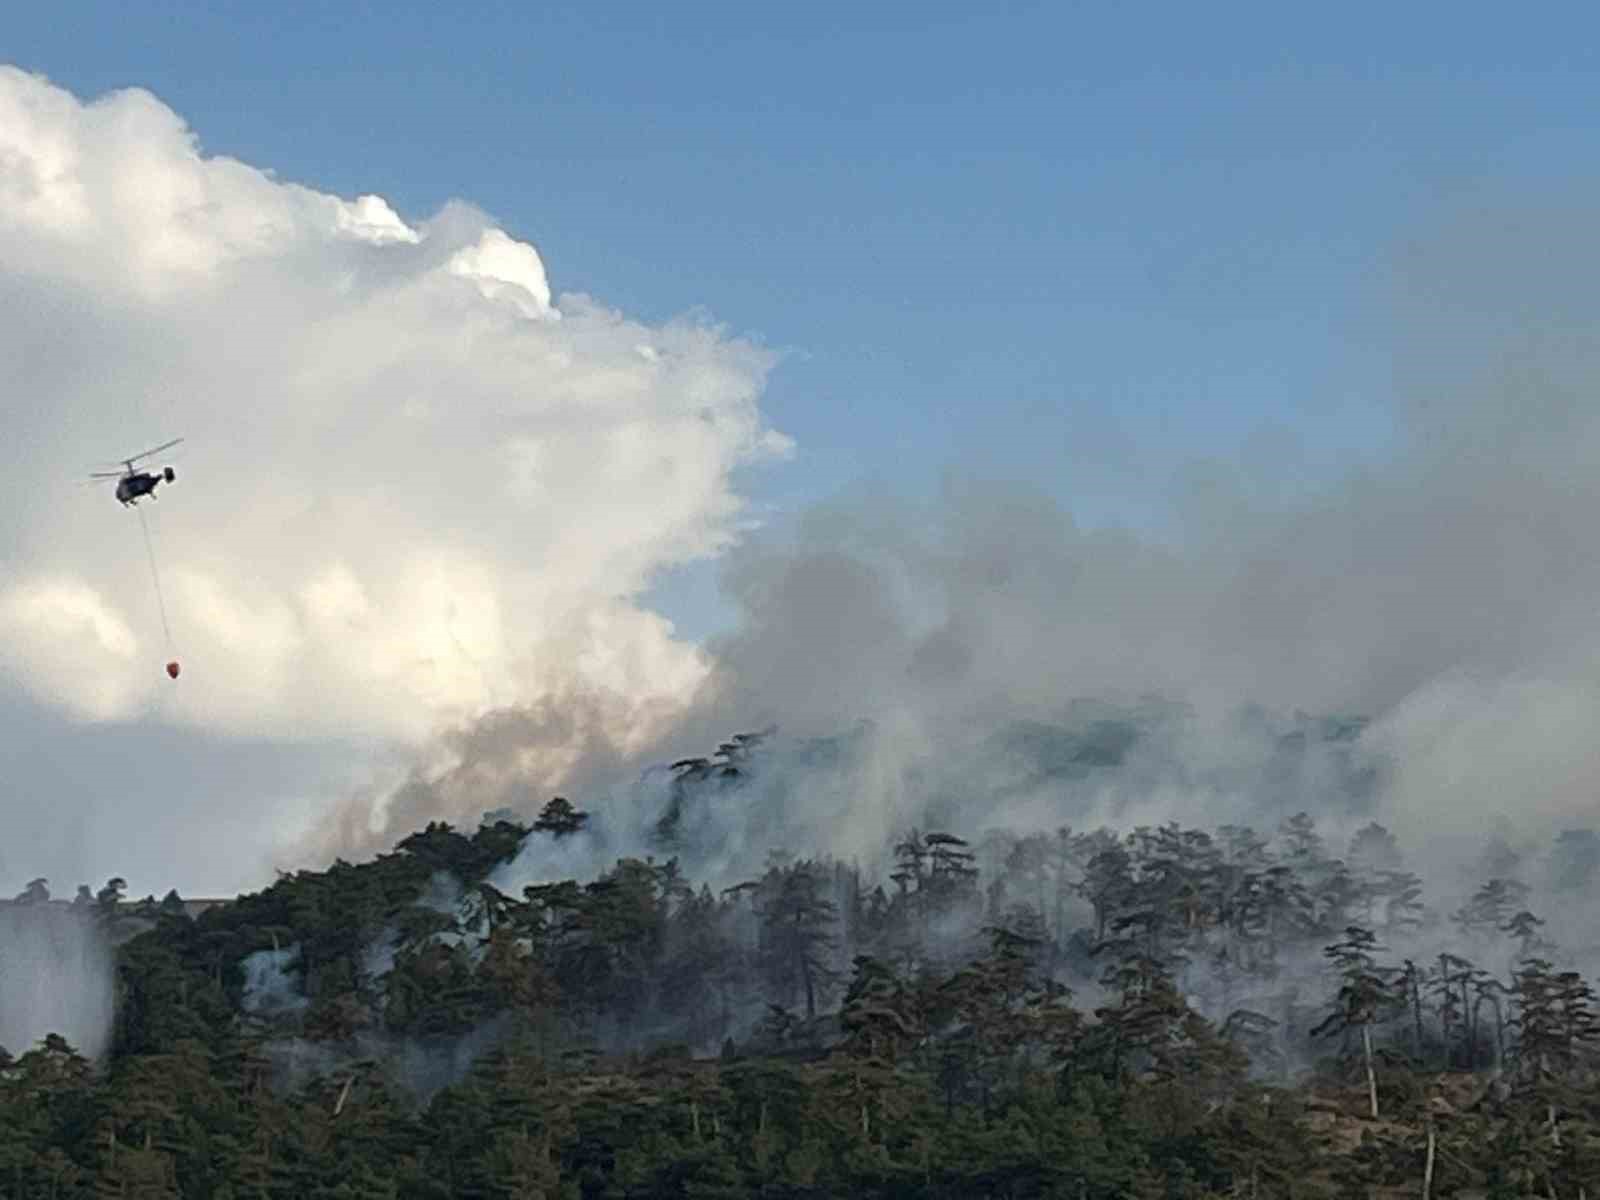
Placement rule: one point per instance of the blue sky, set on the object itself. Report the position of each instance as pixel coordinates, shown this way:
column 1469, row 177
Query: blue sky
column 1075, row 245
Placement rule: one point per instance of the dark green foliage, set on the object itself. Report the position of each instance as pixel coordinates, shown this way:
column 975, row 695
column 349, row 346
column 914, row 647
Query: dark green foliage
column 560, row 819
column 815, row 1032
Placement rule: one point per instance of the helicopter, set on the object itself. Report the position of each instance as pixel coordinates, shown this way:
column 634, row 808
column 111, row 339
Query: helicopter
column 133, row 484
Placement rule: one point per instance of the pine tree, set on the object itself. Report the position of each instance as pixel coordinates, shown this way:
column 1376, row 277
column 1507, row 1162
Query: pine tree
column 1450, row 984
column 1541, row 1035
column 1363, row 999
column 560, row 819
column 1491, row 908
column 879, row 1015
column 796, row 933
column 951, row 874
column 1374, row 851
column 1524, row 926
column 1401, row 893
column 1302, row 844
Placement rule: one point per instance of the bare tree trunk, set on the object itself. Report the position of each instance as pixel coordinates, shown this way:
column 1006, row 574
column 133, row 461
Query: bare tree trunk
column 1472, row 1033
column 1427, row 1170
column 344, row 1094
column 1444, row 1009
column 1372, row 1078
column 1416, row 1010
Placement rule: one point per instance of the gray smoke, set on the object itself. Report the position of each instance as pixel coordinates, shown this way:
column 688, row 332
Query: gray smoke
column 415, row 1069
column 271, row 989
column 1442, row 591
column 410, row 1065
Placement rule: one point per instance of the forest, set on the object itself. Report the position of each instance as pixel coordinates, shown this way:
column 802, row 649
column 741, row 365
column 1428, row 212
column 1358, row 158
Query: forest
column 1161, row 1011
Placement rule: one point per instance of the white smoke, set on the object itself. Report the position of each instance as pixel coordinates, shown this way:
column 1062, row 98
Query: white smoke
column 56, row 977
column 271, row 988
column 1444, row 592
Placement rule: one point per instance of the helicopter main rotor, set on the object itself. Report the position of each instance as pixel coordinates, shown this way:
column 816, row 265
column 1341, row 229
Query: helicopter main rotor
column 128, row 462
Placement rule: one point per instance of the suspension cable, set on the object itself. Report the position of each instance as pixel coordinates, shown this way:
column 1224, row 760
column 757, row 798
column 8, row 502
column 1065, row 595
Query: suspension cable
column 155, row 577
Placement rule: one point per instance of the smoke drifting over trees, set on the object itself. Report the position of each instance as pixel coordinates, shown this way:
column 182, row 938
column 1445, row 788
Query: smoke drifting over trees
column 1146, row 994
column 1440, row 593
column 55, row 975
column 1051, row 835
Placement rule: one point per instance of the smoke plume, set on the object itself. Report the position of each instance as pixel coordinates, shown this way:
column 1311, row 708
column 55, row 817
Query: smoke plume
column 1441, row 593
column 55, row 977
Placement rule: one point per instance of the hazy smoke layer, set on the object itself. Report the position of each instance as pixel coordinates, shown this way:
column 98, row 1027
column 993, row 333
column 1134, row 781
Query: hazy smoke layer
column 55, row 977
column 1446, row 592
column 853, row 796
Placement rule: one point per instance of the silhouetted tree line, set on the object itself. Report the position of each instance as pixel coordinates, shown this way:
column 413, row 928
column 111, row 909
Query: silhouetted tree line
column 1168, row 1012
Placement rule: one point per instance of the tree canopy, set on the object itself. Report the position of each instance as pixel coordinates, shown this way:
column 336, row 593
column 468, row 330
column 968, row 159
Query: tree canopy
column 1159, row 1012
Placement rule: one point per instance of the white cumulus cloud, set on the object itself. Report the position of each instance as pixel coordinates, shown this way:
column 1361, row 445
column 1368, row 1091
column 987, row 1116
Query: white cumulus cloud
column 416, row 485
